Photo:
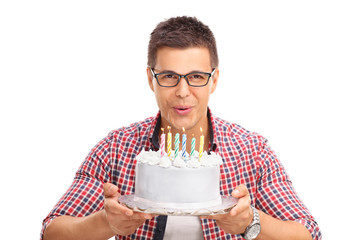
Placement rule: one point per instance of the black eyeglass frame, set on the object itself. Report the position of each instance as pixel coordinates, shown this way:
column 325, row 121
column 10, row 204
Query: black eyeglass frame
column 155, row 75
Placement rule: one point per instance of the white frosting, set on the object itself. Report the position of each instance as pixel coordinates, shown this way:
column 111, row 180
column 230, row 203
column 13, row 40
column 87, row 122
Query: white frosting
column 193, row 163
column 210, row 160
column 154, row 158
column 165, row 162
column 179, row 162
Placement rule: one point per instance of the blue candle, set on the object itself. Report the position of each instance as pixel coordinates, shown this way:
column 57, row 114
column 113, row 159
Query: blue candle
column 183, row 144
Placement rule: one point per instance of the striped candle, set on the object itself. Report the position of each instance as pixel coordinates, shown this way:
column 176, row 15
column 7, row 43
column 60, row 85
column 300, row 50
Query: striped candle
column 177, row 142
column 169, row 142
column 183, row 144
column 162, row 143
column 193, row 140
column 201, row 148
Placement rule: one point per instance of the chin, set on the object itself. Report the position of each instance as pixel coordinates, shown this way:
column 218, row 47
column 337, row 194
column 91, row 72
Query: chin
column 178, row 122
column 186, row 123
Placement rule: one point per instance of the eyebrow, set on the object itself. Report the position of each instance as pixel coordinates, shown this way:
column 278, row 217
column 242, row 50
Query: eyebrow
column 167, row 71
column 171, row 71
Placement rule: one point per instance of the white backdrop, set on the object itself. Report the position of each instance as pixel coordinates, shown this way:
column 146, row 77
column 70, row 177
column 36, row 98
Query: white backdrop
column 71, row 71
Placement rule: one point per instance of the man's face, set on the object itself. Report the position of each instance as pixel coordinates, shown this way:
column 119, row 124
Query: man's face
column 183, row 105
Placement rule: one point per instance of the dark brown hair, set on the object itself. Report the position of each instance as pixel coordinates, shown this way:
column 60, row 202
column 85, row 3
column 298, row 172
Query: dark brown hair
column 182, row 32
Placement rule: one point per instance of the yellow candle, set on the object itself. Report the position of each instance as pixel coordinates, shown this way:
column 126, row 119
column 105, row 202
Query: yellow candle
column 201, row 147
column 169, row 140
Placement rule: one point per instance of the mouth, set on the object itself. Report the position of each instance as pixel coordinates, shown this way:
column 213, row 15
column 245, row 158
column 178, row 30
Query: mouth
column 182, row 110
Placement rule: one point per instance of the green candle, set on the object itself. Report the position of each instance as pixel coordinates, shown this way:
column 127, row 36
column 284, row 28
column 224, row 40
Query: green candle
column 177, row 142
column 192, row 152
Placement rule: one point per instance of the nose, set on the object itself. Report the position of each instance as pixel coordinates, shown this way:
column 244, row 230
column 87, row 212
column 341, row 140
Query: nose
column 182, row 88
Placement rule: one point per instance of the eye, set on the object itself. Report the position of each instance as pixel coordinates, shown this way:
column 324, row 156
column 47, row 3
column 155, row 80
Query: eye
column 197, row 76
column 169, row 76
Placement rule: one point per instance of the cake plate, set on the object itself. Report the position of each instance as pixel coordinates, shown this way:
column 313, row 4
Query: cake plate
column 147, row 206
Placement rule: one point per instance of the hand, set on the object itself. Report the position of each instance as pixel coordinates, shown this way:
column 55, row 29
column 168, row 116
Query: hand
column 240, row 216
column 122, row 220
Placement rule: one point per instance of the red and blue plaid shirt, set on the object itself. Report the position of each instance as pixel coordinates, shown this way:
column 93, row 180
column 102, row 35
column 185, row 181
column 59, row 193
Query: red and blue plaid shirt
column 247, row 160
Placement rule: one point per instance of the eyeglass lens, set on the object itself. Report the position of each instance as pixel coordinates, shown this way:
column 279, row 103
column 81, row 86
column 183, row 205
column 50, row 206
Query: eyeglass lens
column 194, row 79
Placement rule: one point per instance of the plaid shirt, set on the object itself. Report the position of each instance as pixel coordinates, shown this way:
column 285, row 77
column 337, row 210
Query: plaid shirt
column 247, row 160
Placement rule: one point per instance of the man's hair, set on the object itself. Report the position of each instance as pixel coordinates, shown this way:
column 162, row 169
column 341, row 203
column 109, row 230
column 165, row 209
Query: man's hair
column 182, row 32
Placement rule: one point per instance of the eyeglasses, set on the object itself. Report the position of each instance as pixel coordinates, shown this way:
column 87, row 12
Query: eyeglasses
column 171, row 79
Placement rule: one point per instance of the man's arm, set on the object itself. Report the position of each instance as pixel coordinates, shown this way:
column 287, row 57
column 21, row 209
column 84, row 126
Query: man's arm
column 93, row 226
column 113, row 219
column 236, row 221
column 272, row 228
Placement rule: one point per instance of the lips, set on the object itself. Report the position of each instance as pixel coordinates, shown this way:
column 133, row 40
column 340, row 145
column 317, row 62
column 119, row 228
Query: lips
column 183, row 110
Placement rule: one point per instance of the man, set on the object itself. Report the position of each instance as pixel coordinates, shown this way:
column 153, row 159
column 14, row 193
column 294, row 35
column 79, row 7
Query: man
column 183, row 73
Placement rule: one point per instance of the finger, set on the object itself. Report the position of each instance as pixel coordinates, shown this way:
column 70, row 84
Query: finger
column 110, row 190
column 216, row 217
column 142, row 216
column 114, row 207
column 243, row 204
column 240, row 191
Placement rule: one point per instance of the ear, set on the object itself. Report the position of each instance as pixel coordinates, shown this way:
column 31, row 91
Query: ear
column 150, row 78
column 215, row 80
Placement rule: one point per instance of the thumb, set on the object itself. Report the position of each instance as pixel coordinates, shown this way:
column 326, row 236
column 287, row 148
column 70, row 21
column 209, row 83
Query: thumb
column 240, row 191
column 110, row 190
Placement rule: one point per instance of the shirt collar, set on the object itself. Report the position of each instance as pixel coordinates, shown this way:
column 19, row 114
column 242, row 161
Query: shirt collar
column 155, row 128
column 154, row 132
column 212, row 128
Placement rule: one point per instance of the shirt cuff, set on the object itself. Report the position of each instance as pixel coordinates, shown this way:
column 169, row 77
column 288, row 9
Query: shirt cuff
column 312, row 227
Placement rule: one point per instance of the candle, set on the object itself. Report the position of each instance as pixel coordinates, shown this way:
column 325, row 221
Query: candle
column 193, row 140
column 177, row 142
column 201, row 144
column 183, row 144
column 169, row 142
column 162, row 143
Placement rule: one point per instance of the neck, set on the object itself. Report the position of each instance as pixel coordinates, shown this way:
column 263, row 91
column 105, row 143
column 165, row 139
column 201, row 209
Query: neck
column 190, row 133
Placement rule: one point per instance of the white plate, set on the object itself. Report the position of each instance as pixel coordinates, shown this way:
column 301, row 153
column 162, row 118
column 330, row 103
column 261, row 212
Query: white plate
column 136, row 204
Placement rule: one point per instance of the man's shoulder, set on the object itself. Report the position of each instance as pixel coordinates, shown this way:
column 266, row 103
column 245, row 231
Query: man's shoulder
column 235, row 130
column 134, row 130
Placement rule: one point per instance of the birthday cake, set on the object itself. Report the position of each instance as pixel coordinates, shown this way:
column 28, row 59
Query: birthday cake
column 178, row 182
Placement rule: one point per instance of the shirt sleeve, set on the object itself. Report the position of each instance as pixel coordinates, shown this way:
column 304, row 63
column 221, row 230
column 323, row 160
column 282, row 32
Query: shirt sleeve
column 85, row 195
column 276, row 195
